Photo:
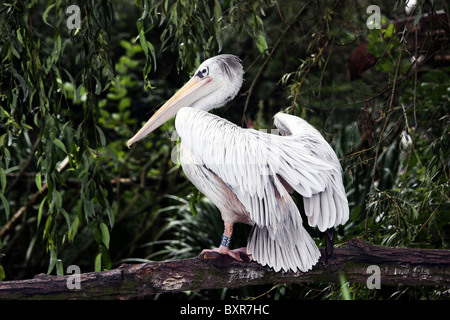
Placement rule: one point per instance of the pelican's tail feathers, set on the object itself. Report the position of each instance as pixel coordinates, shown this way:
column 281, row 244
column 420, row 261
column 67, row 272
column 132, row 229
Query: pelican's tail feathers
column 301, row 254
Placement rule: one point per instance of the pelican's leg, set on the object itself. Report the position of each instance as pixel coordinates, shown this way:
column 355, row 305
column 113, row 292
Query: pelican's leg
column 329, row 243
column 224, row 244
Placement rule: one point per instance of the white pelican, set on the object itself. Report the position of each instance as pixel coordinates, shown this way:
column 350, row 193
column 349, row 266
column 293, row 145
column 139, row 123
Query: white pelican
column 249, row 174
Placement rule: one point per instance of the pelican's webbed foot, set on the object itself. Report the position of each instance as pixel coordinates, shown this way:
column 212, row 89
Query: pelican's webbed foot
column 224, row 245
column 235, row 254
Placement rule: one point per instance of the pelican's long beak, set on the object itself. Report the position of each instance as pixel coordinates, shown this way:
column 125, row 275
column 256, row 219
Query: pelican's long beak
column 187, row 95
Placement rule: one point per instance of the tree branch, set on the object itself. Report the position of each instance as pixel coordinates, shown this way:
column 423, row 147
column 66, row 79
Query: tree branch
column 425, row 267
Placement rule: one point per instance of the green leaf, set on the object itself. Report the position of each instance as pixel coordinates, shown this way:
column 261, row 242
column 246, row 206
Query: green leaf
column 59, row 268
column 141, row 36
column 217, row 11
column 73, row 229
column 48, row 225
column 22, row 83
column 105, row 234
column 45, row 14
column 102, row 136
column 41, row 210
column 19, row 37
column 53, row 258
column 126, row 45
column 106, row 259
column 261, row 43
column 113, row 157
column 38, row 180
column 2, row 179
column 60, row 145
column 14, row 51
column 344, row 287
column 98, row 86
column 98, row 263
column 5, row 205
column 389, row 31
column 57, row 199
column 2, row 273
column 152, row 52
column 193, row 200
column 88, row 208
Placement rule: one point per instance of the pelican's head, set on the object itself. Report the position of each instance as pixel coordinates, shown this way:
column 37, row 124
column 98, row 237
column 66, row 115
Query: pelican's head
column 215, row 82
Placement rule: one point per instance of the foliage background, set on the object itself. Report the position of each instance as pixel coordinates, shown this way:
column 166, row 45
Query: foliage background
column 72, row 193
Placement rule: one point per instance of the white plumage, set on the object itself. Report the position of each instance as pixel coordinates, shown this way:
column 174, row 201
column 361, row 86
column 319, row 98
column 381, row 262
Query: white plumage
column 249, row 174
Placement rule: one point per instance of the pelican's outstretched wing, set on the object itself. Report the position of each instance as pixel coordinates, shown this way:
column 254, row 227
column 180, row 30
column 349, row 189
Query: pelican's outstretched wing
column 328, row 207
column 257, row 169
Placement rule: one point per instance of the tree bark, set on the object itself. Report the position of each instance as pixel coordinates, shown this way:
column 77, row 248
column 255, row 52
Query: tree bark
column 425, row 267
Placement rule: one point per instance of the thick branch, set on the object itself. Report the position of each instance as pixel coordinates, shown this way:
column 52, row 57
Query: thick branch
column 423, row 267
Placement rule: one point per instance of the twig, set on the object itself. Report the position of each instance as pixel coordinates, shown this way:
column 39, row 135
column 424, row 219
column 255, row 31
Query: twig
column 22, row 209
column 306, row 73
column 388, row 114
column 262, row 67
column 428, row 220
column 279, row 13
column 25, row 165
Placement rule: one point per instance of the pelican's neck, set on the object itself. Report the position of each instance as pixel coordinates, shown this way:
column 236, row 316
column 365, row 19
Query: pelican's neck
column 215, row 99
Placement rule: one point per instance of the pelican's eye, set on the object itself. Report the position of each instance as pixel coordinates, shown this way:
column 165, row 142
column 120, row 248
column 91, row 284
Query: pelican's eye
column 203, row 72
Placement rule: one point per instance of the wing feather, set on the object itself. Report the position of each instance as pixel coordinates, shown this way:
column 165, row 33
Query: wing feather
column 256, row 167
column 328, row 207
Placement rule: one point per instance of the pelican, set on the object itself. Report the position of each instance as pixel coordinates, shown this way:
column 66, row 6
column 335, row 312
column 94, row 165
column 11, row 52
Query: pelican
column 249, row 174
